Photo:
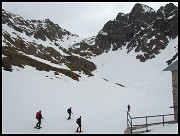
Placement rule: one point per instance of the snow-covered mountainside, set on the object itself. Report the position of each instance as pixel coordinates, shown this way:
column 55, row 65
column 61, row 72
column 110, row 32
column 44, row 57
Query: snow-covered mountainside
column 143, row 31
column 41, row 39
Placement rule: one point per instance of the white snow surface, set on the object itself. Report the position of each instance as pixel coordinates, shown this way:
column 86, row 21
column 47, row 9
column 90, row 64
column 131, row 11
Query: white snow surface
column 102, row 104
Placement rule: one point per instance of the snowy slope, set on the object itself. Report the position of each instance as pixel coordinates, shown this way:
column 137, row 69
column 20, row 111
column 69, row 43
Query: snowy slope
column 128, row 71
column 101, row 103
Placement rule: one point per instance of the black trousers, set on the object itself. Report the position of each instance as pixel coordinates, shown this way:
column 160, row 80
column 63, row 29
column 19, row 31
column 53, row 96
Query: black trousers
column 69, row 116
column 39, row 123
column 79, row 127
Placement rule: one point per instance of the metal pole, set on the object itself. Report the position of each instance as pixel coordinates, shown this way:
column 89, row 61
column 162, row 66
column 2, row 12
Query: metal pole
column 131, row 125
column 146, row 125
column 163, row 120
column 127, row 120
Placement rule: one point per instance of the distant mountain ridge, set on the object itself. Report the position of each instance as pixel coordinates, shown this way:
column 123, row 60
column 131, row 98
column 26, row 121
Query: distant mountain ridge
column 43, row 39
column 143, row 31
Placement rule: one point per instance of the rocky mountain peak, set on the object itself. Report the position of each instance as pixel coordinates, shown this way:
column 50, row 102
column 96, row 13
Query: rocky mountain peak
column 142, row 8
column 40, row 29
column 142, row 30
column 141, row 12
column 170, row 7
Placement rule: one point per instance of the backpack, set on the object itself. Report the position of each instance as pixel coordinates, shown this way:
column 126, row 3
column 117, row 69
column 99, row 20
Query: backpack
column 68, row 110
column 37, row 115
column 78, row 121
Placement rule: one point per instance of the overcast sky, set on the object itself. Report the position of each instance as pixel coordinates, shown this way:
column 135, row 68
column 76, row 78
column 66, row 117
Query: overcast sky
column 82, row 18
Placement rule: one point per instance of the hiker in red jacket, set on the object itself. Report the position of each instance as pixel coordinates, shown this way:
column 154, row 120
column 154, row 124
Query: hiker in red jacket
column 39, row 117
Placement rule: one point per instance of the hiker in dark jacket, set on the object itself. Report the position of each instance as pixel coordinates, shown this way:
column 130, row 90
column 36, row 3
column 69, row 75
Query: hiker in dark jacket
column 128, row 107
column 69, row 111
column 39, row 119
column 78, row 121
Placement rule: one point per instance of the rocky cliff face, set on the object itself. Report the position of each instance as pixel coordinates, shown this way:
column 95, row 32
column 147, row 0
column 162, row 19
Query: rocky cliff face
column 143, row 31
